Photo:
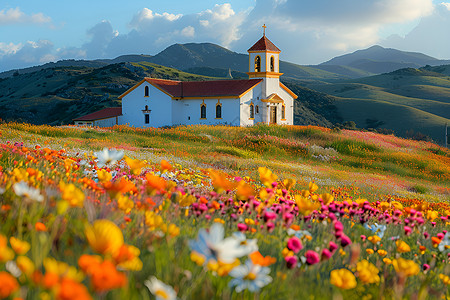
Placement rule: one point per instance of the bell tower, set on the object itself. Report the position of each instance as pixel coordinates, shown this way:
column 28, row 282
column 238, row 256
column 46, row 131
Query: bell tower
column 264, row 62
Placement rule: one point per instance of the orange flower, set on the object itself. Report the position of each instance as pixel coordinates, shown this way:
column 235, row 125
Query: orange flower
column 258, row 259
column 135, row 165
column 165, row 166
column 435, row 241
column 40, row 226
column 244, row 190
column 106, row 277
column 123, row 186
column 88, row 263
column 72, row 290
column 8, row 285
column 220, row 181
column 155, row 182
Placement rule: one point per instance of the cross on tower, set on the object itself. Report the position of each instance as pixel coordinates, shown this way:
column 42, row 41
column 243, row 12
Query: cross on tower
column 264, row 32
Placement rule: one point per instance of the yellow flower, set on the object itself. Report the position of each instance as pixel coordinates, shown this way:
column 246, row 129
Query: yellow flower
column 20, row 247
column 289, row 183
column 128, row 258
column 244, row 191
column 387, row 261
column 62, row 269
column 25, row 265
column 382, row 252
column 153, row 220
column 327, row 198
column 135, row 165
column 305, row 206
column 445, row 279
column 343, row 279
column 124, row 203
column 374, row 239
column 405, row 267
column 432, row 214
column 73, row 195
column 197, row 258
column 369, row 251
column 402, row 247
column 367, row 272
column 173, row 230
column 286, row 252
column 397, row 205
column 104, row 237
column 104, row 175
column 312, row 187
column 6, row 254
column 266, row 176
column 384, row 206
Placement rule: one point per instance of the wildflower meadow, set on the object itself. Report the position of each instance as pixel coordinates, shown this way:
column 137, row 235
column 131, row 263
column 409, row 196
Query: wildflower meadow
column 216, row 212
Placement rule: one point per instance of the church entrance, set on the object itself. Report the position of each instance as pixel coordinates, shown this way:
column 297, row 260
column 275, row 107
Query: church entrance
column 273, row 115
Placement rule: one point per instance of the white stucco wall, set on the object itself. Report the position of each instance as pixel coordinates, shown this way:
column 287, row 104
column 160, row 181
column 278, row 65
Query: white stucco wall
column 158, row 102
column 109, row 122
column 191, row 111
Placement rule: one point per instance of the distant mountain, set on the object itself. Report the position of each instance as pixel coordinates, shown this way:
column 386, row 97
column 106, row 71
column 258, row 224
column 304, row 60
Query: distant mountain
column 377, row 59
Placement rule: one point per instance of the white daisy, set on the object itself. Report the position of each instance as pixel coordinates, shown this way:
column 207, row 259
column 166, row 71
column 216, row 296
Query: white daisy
column 160, row 290
column 108, row 157
column 24, row 190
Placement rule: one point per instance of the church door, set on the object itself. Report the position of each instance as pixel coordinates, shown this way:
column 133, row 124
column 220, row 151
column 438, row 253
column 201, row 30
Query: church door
column 273, row 115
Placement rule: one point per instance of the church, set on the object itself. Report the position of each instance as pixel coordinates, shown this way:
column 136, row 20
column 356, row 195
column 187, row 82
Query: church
column 244, row 102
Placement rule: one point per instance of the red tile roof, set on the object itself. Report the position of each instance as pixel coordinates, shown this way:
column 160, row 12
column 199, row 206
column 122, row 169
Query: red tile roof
column 214, row 88
column 105, row 113
column 264, row 44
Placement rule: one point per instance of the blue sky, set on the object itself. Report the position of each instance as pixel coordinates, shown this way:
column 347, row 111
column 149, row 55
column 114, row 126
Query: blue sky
column 33, row 32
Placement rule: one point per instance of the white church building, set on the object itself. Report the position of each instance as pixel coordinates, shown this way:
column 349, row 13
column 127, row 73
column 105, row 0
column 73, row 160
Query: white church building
column 244, row 102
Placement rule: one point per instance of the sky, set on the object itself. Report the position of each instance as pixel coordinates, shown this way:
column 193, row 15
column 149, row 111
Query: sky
column 33, row 32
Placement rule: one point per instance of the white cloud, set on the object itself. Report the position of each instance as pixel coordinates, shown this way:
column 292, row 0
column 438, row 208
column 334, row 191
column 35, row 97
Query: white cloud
column 10, row 48
column 188, row 31
column 16, row 16
column 446, row 4
column 430, row 36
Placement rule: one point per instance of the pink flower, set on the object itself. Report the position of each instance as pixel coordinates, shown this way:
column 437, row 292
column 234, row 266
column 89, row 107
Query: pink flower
column 242, row 227
column 294, row 244
column 407, row 229
column 426, row 267
column 326, row 254
column 312, row 257
column 345, row 240
column 338, row 227
column 363, row 237
column 291, row 261
column 332, row 246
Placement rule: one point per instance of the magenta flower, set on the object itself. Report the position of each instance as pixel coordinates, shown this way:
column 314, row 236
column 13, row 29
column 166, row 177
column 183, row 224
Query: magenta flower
column 326, row 254
column 407, row 229
column 242, row 227
column 291, row 261
column 294, row 244
column 312, row 257
column 332, row 246
column 345, row 240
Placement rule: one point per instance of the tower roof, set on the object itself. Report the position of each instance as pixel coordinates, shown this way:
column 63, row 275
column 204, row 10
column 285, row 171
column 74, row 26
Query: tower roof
column 264, row 44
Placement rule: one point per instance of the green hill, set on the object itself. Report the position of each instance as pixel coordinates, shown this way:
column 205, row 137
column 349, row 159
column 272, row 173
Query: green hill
column 420, row 99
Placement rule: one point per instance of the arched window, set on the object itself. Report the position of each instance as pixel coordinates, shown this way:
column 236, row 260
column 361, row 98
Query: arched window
column 146, row 91
column 272, row 64
column 258, row 64
column 257, row 109
column 218, row 110
column 283, row 112
column 252, row 111
column 203, row 110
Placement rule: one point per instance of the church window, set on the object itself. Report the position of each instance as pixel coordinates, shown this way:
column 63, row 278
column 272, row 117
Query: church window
column 257, row 109
column 283, row 112
column 147, row 118
column 203, row 110
column 252, row 111
column 258, row 64
column 218, row 110
column 146, row 91
column 272, row 64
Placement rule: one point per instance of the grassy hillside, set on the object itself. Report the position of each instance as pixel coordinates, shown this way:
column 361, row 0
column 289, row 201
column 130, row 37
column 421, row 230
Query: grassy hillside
column 406, row 99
